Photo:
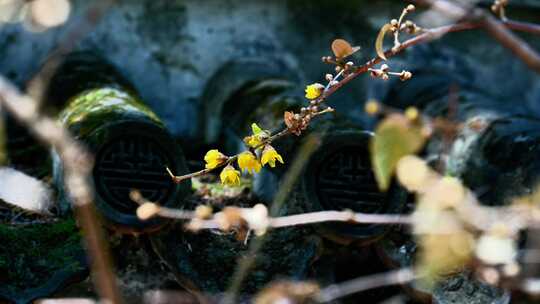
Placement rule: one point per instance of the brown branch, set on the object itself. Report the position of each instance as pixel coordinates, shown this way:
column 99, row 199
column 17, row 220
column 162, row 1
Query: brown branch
column 77, row 169
column 506, row 38
column 496, row 28
column 525, row 27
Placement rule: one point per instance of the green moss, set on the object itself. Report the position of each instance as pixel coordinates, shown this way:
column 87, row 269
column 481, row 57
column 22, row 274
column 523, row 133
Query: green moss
column 31, row 255
column 96, row 107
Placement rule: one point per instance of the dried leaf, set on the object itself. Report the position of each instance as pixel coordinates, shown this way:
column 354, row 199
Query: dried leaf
column 342, row 48
column 394, row 138
column 288, row 117
column 380, row 40
column 291, row 123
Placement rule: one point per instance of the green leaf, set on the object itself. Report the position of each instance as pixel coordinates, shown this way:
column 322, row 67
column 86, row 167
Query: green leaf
column 256, row 129
column 394, row 138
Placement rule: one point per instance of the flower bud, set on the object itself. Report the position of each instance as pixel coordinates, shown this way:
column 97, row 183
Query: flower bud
column 147, row 210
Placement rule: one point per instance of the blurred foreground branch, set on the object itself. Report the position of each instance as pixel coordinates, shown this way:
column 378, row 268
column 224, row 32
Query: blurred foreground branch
column 77, row 168
column 341, row 290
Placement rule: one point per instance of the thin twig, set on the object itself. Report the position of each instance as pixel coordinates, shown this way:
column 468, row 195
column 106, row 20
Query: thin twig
column 523, row 27
column 341, row 290
column 77, row 169
column 496, row 28
column 515, row 44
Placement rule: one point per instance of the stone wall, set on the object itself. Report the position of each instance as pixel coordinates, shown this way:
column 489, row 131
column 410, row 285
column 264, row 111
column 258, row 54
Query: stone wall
column 169, row 49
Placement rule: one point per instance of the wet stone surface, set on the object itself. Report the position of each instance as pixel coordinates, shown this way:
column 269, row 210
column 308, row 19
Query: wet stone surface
column 464, row 288
column 206, row 260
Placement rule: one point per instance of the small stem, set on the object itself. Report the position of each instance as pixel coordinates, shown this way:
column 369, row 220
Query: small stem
column 398, row 27
column 179, row 179
column 328, row 110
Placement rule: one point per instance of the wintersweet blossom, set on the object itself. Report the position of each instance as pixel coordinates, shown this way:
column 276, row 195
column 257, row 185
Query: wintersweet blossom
column 314, row 90
column 230, row 176
column 248, row 161
column 214, row 158
column 270, row 155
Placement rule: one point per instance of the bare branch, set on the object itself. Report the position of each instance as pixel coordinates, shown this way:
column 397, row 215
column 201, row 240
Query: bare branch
column 497, row 29
column 516, row 45
column 341, row 290
column 77, row 168
column 338, row 216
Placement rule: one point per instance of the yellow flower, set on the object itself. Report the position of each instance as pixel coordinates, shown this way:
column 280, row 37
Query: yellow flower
column 314, row 90
column 214, row 158
column 253, row 141
column 229, row 176
column 269, row 156
column 248, row 161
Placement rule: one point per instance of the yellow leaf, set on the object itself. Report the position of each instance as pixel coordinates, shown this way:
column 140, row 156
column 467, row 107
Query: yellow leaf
column 395, row 137
column 380, row 40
